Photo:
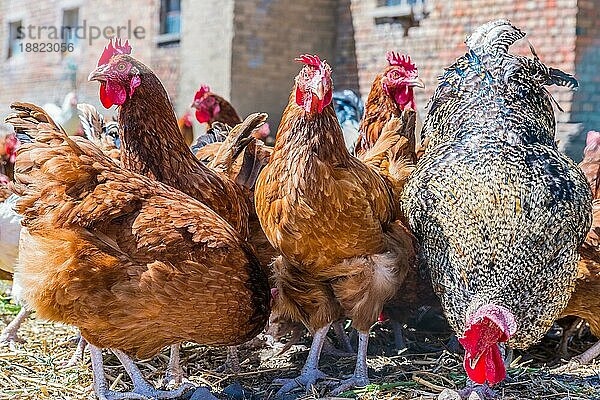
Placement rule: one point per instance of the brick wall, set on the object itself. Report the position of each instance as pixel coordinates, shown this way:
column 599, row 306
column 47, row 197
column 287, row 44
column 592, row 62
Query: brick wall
column 345, row 65
column 586, row 101
column 550, row 25
column 206, row 40
column 269, row 34
column 47, row 77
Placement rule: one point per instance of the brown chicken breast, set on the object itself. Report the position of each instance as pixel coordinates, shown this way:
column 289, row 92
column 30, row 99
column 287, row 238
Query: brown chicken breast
column 333, row 219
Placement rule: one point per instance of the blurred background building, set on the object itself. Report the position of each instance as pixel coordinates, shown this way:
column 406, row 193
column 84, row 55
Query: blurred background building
column 244, row 48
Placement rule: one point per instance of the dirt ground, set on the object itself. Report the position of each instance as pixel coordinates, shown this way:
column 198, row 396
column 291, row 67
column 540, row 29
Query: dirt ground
column 34, row 369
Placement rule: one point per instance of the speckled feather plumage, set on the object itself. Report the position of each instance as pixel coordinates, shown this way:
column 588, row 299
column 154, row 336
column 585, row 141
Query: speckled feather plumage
column 499, row 211
column 110, row 251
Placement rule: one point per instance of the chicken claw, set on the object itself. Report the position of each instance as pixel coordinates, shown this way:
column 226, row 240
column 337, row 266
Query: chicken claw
column 476, row 391
column 10, row 332
column 232, row 363
column 361, row 376
column 307, row 378
column 310, row 373
column 343, row 338
column 142, row 390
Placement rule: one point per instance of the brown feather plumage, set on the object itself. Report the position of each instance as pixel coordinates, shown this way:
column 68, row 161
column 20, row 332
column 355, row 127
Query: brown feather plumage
column 379, row 109
column 585, row 300
column 134, row 264
column 333, row 219
column 152, row 145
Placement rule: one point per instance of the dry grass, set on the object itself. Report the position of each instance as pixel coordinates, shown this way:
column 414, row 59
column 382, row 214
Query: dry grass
column 34, row 370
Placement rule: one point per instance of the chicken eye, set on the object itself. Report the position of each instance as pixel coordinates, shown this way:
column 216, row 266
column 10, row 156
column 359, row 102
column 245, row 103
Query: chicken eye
column 121, row 66
column 395, row 74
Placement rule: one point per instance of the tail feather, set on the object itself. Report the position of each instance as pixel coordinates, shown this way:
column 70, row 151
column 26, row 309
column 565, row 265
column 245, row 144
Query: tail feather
column 26, row 119
column 494, row 38
column 393, row 156
column 237, row 140
column 91, row 121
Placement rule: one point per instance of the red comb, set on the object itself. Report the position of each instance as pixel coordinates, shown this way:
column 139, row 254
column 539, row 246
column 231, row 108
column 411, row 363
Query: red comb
column 308, row 59
column 202, row 91
column 111, row 50
column 403, row 60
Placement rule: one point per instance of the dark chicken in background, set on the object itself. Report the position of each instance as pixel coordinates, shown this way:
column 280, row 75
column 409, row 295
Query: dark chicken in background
column 108, row 250
column 333, row 217
column 498, row 211
column 349, row 110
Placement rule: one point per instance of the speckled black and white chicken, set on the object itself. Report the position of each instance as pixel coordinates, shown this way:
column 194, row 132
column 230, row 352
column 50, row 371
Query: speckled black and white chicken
column 498, row 210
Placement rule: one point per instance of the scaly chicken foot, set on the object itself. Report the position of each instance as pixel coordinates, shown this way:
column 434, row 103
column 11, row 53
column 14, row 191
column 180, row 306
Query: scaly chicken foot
column 77, row 356
column 141, row 386
column 101, row 387
column 310, row 372
column 174, row 374
column 399, row 339
column 10, row 332
column 360, row 377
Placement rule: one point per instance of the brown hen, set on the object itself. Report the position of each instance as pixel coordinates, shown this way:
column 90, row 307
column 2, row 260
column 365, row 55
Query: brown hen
column 391, row 93
column 585, row 300
column 151, row 142
column 134, row 264
column 333, row 219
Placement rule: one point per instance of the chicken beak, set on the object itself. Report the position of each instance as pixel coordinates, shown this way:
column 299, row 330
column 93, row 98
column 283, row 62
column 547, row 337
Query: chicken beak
column 415, row 82
column 99, row 74
column 319, row 91
column 195, row 104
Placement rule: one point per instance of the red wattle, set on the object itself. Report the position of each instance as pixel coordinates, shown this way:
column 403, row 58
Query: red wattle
column 202, row 116
column 104, row 98
column 490, row 367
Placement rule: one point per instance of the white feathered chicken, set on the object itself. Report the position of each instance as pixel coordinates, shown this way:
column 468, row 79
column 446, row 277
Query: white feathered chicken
column 66, row 116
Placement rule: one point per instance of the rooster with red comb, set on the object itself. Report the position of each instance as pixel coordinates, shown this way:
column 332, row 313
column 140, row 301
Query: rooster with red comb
column 391, row 93
column 334, row 220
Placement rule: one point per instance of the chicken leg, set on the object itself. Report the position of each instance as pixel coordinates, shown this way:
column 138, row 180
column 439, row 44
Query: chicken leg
column 232, row 362
column 342, row 337
column 141, row 388
column 567, row 336
column 361, row 374
column 77, row 356
column 310, row 372
column 10, row 332
column 174, row 374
